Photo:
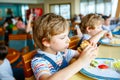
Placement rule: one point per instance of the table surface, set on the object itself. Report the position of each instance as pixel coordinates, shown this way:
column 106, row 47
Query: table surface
column 13, row 55
column 103, row 52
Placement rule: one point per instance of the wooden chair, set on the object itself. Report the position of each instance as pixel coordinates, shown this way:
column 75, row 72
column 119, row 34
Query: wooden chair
column 2, row 34
column 17, row 41
column 73, row 42
column 26, row 60
column 14, row 30
column 30, row 42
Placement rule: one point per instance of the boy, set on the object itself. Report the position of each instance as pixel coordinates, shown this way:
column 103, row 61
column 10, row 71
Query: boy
column 106, row 24
column 5, row 67
column 50, row 33
column 91, row 28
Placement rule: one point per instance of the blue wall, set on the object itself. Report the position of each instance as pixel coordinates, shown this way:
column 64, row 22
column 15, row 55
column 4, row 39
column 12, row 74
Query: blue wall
column 16, row 9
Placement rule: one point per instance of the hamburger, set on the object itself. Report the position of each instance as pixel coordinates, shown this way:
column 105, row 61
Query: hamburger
column 83, row 45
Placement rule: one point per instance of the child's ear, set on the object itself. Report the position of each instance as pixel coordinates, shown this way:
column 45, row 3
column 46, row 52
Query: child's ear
column 45, row 42
column 88, row 29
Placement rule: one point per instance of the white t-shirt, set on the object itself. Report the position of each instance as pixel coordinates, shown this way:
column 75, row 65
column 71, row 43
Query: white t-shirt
column 6, row 71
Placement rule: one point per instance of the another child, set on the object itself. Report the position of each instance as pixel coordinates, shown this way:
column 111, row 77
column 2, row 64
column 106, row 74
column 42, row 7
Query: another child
column 91, row 27
column 30, row 24
column 106, row 24
column 5, row 67
column 50, row 33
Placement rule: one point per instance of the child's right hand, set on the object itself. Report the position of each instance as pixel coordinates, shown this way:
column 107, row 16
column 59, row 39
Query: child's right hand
column 31, row 17
column 88, row 54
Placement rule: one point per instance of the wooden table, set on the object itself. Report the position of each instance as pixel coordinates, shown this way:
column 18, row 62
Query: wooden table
column 13, row 55
column 103, row 52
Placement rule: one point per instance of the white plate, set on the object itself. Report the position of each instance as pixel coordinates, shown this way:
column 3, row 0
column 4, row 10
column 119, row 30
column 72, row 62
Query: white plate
column 96, row 73
column 106, row 41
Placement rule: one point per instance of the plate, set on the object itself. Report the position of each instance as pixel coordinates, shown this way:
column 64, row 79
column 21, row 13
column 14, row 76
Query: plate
column 116, row 34
column 97, row 73
column 113, row 42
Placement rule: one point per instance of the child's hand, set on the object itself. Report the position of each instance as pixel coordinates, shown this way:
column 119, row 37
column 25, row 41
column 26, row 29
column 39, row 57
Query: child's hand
column 88, row 54
column 31, row 17
column 108, row 35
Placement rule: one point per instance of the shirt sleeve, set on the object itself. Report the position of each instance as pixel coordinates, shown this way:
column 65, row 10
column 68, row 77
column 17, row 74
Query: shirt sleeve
column 39, row 67
column 4, row 75
column 70, row 54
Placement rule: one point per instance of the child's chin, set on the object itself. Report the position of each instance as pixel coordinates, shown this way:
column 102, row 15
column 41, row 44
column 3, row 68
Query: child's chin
column 64, row 50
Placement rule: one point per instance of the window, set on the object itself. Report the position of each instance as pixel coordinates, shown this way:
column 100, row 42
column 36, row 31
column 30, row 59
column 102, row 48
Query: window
column 23, row 9
column 61, row 9
column 106, row 7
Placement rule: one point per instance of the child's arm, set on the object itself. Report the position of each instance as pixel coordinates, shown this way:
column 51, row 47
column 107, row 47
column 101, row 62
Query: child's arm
column 84, row 59
column 94, row 39
column 29, row 27
column 79, row 33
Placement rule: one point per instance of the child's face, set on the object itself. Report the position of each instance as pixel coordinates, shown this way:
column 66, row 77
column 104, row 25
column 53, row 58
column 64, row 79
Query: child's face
column 97, row 29
column 107, row 22
column 60, row 42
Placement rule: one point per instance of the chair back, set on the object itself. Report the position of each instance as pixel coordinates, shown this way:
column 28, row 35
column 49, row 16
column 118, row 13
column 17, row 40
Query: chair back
column 17, row 41
column 2, row 34
column 30, row 42
column 73, row 42
column 14, row 30
column 26, row 60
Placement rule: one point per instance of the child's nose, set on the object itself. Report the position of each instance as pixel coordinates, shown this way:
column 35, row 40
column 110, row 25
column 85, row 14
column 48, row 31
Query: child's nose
column 68, row 40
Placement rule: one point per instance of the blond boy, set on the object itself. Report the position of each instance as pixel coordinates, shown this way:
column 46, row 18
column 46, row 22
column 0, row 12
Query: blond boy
column 50, row 33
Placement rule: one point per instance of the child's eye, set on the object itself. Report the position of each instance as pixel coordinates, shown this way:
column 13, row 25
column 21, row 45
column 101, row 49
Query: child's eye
column 62, row 37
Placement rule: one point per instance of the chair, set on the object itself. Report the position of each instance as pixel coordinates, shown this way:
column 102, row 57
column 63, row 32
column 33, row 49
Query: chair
column 73, row 42
column 26, row 60
column 17, row 41
column 30, row 42
column 14, row 30
column 2, row 34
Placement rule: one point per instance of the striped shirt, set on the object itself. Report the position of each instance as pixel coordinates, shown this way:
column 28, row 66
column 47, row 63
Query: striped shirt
column 42, row 66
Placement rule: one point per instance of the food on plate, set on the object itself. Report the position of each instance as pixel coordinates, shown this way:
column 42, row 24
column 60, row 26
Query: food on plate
column 94, row 63
column 103, row 66
column 107, row 62
column 115, row 41
column 84, row 44
column 116, row 65
column 117, row 36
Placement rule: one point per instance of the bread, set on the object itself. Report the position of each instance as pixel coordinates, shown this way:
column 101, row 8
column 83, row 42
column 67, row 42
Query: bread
column 83, row 45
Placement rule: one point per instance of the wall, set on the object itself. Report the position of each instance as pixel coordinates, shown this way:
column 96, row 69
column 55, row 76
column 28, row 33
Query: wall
column 41, row 5
column 118, row 10
column 16, row 9
column 74, row 5
column 22, row 1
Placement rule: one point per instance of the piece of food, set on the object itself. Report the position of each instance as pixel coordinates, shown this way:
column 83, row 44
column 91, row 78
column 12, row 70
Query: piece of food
column 94, row 63
column 116, row 65
column 115, row 41
column 84, row 44
column 107, row 62
column 103, row 66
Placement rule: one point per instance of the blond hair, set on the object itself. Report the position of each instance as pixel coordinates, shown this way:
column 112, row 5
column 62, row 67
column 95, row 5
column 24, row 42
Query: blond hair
column 47, row 26
column 90, row 20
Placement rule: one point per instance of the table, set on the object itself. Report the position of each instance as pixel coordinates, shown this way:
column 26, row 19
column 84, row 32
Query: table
column 13, row 55
column 103, row 52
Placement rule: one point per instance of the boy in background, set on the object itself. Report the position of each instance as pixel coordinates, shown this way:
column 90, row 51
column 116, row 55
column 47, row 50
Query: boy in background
column 5, row 67
column 91, row 28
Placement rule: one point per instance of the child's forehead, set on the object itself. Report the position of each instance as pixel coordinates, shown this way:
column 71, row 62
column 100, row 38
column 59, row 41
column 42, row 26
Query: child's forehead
column 63, row 33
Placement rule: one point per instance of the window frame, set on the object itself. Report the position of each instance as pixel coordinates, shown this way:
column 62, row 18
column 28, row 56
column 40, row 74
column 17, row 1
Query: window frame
column 59, row 4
